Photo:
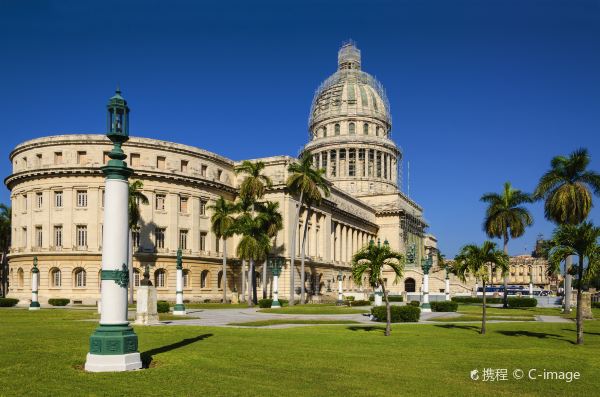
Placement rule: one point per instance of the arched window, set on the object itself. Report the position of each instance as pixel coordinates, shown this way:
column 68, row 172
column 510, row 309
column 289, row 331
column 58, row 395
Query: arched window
column 20, row 278
column 409, row 285
column 136, row 277
column 351, row 128
column 376, row 131
column 337, row 129
column 366, row 129
column 160, row 278
column 80, row 277
column 220, row 280
column 324, row 131
column 55, row 278
column 186, row 278
column 344, row 283
column 204, row 279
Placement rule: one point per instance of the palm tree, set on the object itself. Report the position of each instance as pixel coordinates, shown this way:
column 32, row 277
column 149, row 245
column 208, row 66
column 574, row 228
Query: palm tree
column 565, row 189
column 222, row 225
column 136, row 197
column 505, row 218
column 580, row 240
column 372, row 259
column 310, row 185
column 252, row 189
column 5, row 223
column 481, row 263
column 272, row 222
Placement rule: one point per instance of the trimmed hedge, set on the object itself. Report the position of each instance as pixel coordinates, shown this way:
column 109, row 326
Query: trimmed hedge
column 444, row 306
column 162, row 306
column 395, row 298
column 8, row 302
column 59, row 301
column 414, row 303
column 595, row 305
column 265, row 303
column 522, row 302
column 349, row 298
column 399, row 314
column 359, row 303
column 471, row 299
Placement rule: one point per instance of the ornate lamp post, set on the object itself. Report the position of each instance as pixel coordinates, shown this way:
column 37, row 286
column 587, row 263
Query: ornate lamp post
column 35, row 282
column 447, row 289
column 179, row 309
column 340, row 300
column 275, row 263
column 425, row 266
column 114, row 345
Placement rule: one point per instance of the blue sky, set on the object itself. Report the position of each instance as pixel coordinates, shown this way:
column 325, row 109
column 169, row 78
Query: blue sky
column 481, row 92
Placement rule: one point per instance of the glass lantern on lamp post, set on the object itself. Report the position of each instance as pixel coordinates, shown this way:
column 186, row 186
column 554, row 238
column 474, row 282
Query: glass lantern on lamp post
column 275, row 264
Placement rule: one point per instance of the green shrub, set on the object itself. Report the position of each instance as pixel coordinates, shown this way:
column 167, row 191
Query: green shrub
column 8, row 302
column 359, row 303
column 59, row 301
column 349, row 298
column 414, row 303
column 444, row 306
column 371, row 298
column 265, row 303
column 399, row 314
column 395, row 298
column 162, row 306
column 522, row 302
column 595, row 305
column 472, row 299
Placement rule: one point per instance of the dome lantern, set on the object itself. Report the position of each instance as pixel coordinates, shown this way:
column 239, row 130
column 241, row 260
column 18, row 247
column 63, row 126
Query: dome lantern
column 349, row 56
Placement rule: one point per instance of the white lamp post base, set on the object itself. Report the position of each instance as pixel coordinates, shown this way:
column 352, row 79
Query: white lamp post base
column 113, row 363
column 179, row 312
column 34, row 308
column 425, row 310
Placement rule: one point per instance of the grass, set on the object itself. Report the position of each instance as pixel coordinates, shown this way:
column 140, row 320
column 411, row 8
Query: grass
column 468, row 317
column 266, row 323
column 315, row 309
column 498, row 311
column 43, row 353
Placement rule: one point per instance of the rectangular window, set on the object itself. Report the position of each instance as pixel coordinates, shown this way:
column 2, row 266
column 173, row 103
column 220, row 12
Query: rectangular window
column 82, row 198
column 161, row 162
column 81, row 231
column 160, row 202
column 24, row 200
column 136, row 278
column 81, row 158
column 352, row 162
column 38, row 236
column 39, row 199
column 135, row 238
column 134, row 159
column 219, row 174
column 24, row 162
column 203, row 169
column 58, row 236
column 184, row 166
column 183, row 239
column 202, row 241
column 183, row 205
column 24, row 237
column 202, row 207
column 159, row 235
column 102, row 198
column 38, row 160
column 58, row 158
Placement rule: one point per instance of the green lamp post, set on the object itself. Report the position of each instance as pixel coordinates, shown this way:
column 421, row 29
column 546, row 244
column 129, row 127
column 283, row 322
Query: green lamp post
column 179, row 309
column 114, row 344
column 275, row 264
column 426, row 264
column 35, row 283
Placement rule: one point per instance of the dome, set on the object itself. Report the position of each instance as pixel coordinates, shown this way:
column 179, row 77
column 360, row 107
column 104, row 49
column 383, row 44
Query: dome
column 350, row 92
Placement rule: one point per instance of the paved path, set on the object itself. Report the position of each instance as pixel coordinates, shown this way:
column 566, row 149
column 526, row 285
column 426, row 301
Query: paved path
column 553, row 319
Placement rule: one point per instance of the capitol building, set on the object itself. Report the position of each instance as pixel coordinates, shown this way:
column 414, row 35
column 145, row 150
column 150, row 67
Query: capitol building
column 57, row 198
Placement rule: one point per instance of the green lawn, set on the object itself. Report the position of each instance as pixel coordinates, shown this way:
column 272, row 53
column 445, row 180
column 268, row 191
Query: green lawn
column 498, row 311
column 266, row 323
column 473, row 317
column 315, row 309
column 42, row 353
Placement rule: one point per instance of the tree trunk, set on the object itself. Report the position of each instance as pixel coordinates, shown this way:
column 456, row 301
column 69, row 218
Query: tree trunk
column 250, row 282
column 225, row 270
column 293, row 250
column 264, row 279
column 567, row 285
column 130, row 258
column 579, row 301
column 254, row 295
column 388, row 310
column 302, row 259
column 483, row 315
column 505, row 295
column 243, row 296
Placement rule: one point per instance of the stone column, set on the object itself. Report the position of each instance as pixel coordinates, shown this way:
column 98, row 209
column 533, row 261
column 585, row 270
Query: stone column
column 328, row 170
column 35, row 283
column 337, row 163
column 179, row 309
column 113, row 345
column 340, row 299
